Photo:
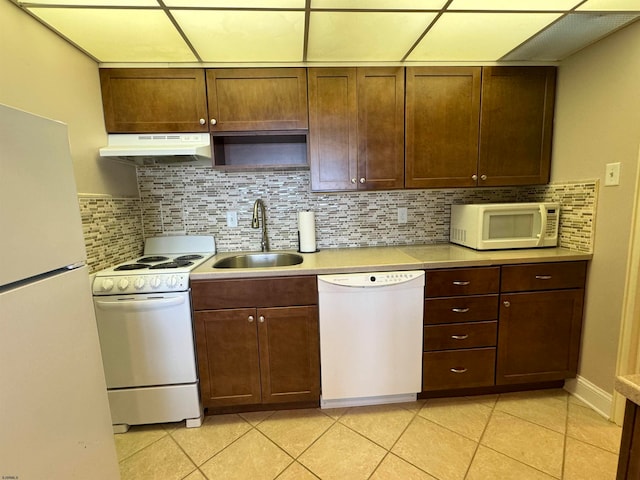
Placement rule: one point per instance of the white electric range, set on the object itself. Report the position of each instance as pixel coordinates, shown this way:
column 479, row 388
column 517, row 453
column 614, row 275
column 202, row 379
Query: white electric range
column 143, row 311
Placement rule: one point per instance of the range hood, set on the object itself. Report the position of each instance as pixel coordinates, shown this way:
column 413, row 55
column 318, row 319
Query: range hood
column 158, row 148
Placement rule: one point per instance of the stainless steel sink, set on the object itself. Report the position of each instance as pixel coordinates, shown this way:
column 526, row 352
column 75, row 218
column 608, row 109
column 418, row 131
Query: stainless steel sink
column 259, row 260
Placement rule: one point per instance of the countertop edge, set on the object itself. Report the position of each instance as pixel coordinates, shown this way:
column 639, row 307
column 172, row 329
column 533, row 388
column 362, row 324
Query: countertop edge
column 409, row 257
column 629, row 386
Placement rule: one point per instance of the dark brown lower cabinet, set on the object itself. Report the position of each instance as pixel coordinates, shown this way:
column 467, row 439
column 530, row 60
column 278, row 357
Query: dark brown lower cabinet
column 629, row 459
column 539, row 336
column 258, row 355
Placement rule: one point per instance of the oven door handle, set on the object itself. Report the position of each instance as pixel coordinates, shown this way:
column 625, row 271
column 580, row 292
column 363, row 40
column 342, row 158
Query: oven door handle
column 146, row 303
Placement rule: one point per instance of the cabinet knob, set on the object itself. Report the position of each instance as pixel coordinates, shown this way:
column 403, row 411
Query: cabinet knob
column 506, row 303
column 261, row 319
column 251, row 319
column 474, row 177
column 362, row 180
column 353, row 180
column 202, row 121
column 213, row 121
column 458, row 370
column 483, row 177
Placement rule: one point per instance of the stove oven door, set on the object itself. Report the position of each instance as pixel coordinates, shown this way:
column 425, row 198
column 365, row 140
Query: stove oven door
column 146, row 339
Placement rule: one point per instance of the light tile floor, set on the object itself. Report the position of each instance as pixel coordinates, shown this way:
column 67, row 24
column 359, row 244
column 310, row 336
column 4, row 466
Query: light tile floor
column 534, row 435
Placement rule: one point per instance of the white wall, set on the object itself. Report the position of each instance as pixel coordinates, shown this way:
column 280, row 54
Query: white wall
column 45, row 75
column 598, row 122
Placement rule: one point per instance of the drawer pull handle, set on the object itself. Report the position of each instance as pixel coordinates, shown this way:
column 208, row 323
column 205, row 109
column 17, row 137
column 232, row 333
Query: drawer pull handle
column 543, row 277
column 460, row 337
column 461, row 283
column 458, row 370
column 460, row 310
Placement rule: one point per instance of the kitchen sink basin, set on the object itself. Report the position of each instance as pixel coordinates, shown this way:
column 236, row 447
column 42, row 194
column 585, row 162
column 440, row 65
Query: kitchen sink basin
column 259, row 260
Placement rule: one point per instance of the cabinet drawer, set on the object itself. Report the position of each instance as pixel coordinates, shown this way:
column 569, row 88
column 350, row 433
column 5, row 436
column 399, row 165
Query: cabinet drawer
column 460, row 335
column 460, row 309
column 458, row 369
column 543, row 276
column 254, row 292
column 462, row 281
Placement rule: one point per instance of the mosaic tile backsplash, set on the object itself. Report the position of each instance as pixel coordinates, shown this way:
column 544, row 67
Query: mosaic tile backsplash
column 112, row 229
column 178, row 199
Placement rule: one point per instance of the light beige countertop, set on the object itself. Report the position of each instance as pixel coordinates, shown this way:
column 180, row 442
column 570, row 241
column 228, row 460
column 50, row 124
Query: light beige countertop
column 629, row 386
column 372, row 259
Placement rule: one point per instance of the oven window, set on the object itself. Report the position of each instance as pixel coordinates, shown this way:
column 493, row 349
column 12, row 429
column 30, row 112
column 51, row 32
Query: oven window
column 510, row 226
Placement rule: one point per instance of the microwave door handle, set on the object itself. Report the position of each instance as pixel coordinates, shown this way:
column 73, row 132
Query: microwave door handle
column 543, row 224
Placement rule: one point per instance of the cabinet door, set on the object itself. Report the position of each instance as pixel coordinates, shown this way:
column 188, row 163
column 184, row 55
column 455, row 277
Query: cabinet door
column 380, row 128
column 228, row 360
column 142, row 100
column 442, row 125
column 516, row 124
column 289, row 354
column 333, row 118
column 539, row 336
column 257, row 99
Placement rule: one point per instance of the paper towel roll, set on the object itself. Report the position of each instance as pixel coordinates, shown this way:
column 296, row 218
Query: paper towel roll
column 307, row 231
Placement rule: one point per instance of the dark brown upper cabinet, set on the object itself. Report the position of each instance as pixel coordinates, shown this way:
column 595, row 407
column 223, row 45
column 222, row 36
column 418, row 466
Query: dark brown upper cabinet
column 442, row 126
column 140, row 100
column 257, row 99
column 473, row 126
column 516, row 124
column 356, row 128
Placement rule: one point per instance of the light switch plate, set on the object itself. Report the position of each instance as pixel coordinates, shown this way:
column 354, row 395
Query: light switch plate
column 612, row 174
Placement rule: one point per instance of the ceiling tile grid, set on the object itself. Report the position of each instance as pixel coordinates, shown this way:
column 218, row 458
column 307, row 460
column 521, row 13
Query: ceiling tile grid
column 308, row 32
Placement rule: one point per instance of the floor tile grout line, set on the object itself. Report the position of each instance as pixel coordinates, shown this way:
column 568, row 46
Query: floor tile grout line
column 222, row 449
column 389, row 450
column 564, row 440
column 142, row 448
column 478, row 442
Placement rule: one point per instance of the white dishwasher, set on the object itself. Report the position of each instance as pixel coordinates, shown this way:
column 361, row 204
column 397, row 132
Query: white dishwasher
column 370, row 337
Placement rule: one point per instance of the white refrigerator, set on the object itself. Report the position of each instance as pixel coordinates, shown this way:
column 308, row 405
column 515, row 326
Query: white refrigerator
column 54, row 414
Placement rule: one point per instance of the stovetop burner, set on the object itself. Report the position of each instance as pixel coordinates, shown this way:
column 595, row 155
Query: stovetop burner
column 174, row 264
column 156, row 258
column 187, row 257
column 132, row 266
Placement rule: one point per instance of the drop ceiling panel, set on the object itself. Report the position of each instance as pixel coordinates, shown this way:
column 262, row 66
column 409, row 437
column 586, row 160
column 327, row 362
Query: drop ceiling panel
column 379, row 4
column 97, row 3
column 119, row 35
column 236, row 4
column 244, row 36
column 570, row 34
column 364, row 36
column 605, row 5
column 478, row 36
column 530, row 5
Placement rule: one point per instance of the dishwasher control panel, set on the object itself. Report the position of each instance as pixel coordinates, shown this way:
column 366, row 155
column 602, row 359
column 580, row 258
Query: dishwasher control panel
column 372, row 279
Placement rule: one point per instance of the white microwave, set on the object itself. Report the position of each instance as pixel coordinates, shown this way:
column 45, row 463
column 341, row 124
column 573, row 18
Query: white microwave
column 499, row 226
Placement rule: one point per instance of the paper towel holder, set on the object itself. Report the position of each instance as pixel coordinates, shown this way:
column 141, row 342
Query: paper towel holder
column 300, row 251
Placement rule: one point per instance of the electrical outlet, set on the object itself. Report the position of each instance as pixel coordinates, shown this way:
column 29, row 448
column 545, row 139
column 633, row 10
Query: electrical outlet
column 402, row 214
column 612, row 174
column 232, row 219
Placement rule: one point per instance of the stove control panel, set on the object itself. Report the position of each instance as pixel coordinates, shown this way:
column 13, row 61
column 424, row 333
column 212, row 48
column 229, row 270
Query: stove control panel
column 118, row 285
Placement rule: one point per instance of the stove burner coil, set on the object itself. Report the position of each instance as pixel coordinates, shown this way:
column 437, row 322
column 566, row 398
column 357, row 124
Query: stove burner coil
column 152, row 259
column 132, row 266
column 187, row 257
column 171, row 265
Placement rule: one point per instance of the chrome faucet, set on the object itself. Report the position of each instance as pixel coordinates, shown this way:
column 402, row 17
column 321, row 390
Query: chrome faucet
column 255, row 223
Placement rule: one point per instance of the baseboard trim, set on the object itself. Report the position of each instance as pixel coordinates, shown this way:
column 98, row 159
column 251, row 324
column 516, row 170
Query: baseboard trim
column 599, row 400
